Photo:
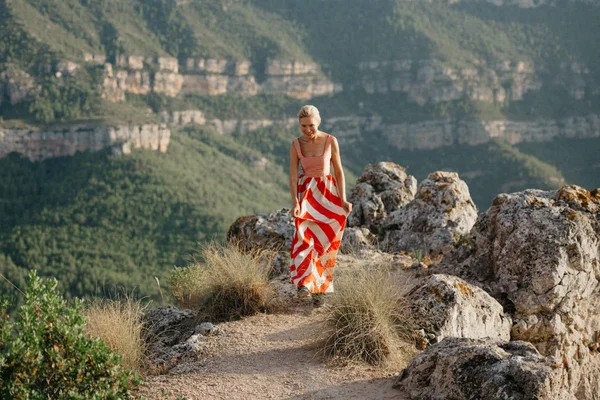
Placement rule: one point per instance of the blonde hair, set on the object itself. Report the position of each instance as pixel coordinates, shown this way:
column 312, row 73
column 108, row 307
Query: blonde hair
column 309, row 111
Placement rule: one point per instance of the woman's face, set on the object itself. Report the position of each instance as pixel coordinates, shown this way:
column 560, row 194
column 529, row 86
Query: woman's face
column 309, row 126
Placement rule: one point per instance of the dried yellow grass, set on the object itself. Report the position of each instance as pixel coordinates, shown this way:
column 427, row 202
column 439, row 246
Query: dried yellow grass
column 225, row 283
column 118, row 323
column 365, row 319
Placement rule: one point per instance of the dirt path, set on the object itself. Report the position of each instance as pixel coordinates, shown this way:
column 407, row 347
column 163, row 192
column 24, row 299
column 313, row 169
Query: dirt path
column 271, row 357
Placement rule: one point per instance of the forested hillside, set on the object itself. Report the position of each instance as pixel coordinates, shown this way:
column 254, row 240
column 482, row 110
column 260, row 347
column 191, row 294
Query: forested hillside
column 508, row 97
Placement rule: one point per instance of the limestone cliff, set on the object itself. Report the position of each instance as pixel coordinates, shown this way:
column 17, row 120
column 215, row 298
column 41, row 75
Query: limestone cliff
column 423, row 81
column 132, row 74
column 428, row 82
column 419, row 135
column 523, row 3
column 41, row 144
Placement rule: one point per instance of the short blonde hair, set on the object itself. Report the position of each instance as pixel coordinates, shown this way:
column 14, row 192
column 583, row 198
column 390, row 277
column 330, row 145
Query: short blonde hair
column 309, row 111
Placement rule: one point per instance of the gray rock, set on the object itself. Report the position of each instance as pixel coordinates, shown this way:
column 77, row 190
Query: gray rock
column 169, row 331
column 439, row 215
column 538, row 253
column 274, row 232
column 459, row 368
column 205, row 328
column 356, row 239
column 381, row 189
column 188, row 348
column 447, row 306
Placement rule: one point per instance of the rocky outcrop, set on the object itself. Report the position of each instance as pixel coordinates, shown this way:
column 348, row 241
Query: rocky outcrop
column 434, row 134
column 465, row 369
column 16, row 85
column 218, row 66
column 538, row 253
column 174, row 335
column 522, row 3
column 117, row 83
column 284, row 67
column 41, row 144
column 273, row 232
column 429, row 82
column 224, row 127
column 214, row 77
column 134, row 62
column 419, row 135
column 381, row 189
column 95, row 59
column 440, row 214
column 357, row 239
column 447, row 306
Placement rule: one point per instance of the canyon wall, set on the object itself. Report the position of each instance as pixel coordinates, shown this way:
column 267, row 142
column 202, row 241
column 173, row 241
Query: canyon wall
column 41, row 144
column 134, row 74
column 425, row 135
column 429, row 82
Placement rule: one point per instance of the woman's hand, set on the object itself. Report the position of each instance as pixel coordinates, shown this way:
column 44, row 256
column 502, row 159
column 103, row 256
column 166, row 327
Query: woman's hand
column 347, row 206
column 295, row 210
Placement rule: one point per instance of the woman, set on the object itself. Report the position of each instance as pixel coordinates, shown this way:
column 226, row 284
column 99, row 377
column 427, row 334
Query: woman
column 319, row 205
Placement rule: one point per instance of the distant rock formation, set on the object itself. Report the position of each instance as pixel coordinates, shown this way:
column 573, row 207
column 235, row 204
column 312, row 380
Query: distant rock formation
column 429, row 82
column 42, row 144
column 522, row 3
column 132, row 74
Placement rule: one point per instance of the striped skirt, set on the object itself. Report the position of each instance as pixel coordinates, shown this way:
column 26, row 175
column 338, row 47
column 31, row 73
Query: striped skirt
column 318, row 234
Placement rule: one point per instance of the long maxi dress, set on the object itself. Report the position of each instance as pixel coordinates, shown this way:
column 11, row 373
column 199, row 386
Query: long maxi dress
column 320, row 226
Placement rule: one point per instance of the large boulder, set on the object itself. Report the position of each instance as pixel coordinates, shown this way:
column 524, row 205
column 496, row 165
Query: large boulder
column 439, row 216
column 274, row 231
column 381, row 189
column 468, row 369
column 538, row 253
column 447, row 306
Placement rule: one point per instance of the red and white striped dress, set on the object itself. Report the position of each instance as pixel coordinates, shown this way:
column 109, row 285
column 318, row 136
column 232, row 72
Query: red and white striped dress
column 320, row 226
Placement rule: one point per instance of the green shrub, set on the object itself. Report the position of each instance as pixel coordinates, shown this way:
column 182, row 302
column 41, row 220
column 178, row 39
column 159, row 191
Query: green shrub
column 44, row 353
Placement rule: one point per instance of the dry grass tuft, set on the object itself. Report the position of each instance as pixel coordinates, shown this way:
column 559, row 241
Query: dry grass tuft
column 226, row 283
column 119, row 324
column 365, row 319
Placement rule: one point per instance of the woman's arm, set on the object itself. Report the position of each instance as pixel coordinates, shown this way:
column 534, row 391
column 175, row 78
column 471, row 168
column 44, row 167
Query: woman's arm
column 338, row 171
column 294, row 181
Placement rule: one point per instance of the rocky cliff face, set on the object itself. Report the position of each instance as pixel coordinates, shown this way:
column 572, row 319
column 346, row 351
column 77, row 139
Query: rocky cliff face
column 537, row 252
column 423, row 81
column 222, row 126
column 428, row 82
column 445, row 132
column 16, row 85
column 522, row 3
column 41, row 144
column 419, row 135
column 213, row 77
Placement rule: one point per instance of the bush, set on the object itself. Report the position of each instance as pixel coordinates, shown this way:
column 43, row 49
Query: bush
column 225, row 284
column 365, row 319
column 118, row 323
column 44, row 353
